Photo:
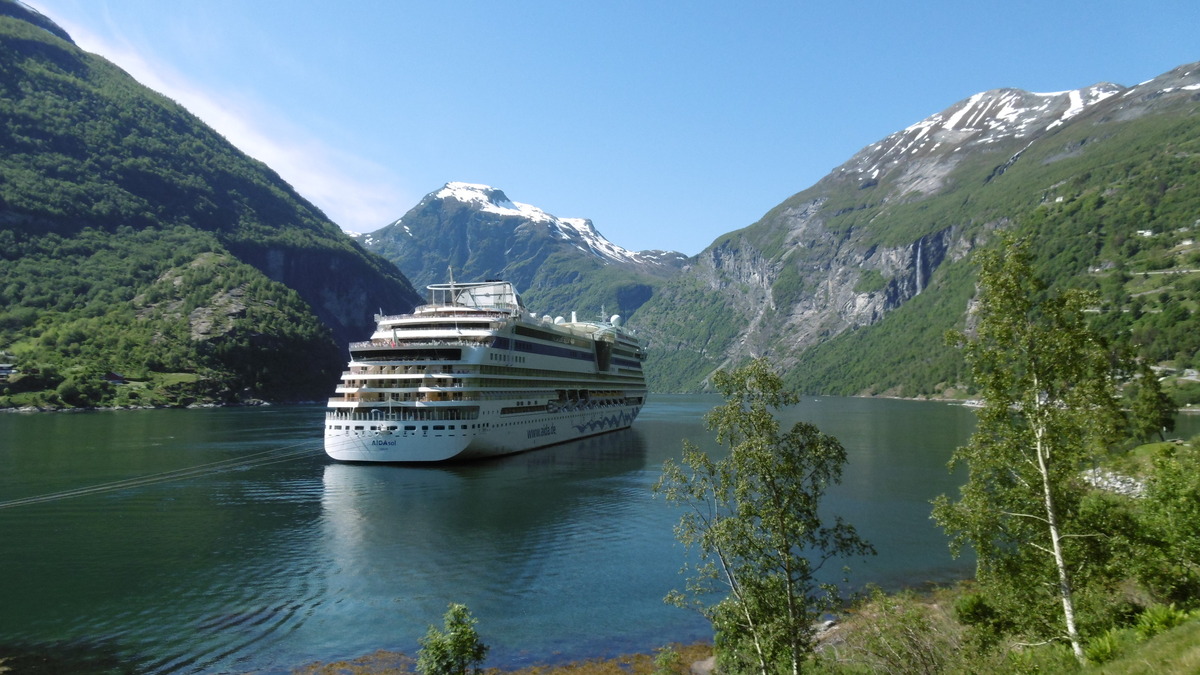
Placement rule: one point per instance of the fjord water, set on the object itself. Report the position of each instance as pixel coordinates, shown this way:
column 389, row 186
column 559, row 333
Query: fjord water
column 223, row 540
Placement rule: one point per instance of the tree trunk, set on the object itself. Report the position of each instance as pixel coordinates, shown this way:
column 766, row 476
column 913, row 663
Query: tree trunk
column 1064, row 579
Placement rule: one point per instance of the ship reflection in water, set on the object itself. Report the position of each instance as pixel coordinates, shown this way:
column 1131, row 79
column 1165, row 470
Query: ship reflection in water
column 537, row 545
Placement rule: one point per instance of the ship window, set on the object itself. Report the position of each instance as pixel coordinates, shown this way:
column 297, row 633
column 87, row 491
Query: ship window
column 410, row 427
column 439, row 427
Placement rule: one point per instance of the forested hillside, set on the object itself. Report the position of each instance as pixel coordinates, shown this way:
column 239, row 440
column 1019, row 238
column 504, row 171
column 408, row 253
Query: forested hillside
column 135, row 241
column 850, row 285
column 1122, row 220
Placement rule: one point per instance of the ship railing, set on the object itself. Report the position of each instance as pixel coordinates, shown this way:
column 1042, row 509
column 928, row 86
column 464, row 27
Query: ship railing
column 412, row 371
column 499, row 310
column 409, row 342
column 421, row 395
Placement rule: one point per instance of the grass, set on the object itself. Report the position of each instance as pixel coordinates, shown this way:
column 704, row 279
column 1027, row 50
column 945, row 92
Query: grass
column 167, row 379
column 1139, row 461
column 394, row 663
column 1175, row 651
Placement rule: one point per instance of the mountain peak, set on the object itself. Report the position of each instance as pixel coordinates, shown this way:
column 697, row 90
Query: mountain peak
column 579, row 231
column 929, row 148
column 488, row 199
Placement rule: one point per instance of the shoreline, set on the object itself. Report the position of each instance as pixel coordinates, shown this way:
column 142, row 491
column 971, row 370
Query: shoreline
column 260, row 403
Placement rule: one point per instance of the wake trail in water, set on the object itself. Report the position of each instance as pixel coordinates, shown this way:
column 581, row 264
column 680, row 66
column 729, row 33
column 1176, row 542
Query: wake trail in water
column 273, row 456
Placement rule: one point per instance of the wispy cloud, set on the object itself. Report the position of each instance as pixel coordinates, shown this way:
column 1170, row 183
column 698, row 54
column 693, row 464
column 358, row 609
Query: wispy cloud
column 355, row 192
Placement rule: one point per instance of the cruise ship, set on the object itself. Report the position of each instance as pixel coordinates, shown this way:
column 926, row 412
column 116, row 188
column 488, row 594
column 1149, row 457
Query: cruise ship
column 474, row 374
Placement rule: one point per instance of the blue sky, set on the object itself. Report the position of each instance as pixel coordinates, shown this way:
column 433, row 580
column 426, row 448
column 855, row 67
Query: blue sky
column 666, row 123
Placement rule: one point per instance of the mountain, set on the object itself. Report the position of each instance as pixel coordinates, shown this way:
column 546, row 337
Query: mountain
column 558, row 264
column 851, row 284
column 136, row 240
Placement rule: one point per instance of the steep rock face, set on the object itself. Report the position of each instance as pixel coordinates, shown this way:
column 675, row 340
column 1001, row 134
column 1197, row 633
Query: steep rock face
column 878, row 232
column 342, row 288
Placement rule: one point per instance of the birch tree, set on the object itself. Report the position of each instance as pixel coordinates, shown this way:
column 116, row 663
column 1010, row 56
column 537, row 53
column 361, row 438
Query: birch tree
column 753, row 517
column 1048, row 404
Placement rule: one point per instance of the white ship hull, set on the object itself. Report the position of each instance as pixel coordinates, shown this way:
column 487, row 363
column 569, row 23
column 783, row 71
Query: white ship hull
column 473, row 375
column 427, row 444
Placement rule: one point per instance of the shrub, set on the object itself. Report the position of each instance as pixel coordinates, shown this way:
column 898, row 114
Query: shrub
column 455, row 650
column 668, row 662
column 901, row 634
column 1159, row 619
column 1107, row 646
column 985, row 623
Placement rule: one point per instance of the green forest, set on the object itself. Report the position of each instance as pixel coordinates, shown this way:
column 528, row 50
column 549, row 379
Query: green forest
column 146, row 261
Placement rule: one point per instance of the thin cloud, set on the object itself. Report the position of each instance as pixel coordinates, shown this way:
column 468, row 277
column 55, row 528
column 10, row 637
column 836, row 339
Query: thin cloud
column 356, row 193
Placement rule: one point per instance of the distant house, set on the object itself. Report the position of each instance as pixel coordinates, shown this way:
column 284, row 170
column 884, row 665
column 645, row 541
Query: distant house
column 114, row 378
column 7, row 370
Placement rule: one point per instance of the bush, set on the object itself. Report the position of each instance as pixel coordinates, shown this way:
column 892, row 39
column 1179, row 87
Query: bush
column 668, row 662
column 1107, row 646
column 984, row 622
column 1185, row 393
column 1159, row 619
column 901, row 634
column 454, row 651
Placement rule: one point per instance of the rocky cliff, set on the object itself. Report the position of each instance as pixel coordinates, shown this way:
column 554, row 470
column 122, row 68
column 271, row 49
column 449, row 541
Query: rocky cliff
column 831, row 264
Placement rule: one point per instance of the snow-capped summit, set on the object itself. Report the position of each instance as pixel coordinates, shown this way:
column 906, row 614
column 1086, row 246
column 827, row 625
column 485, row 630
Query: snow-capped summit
column 985, row 118
column 480, row 233
column 490, row 200
column 580, row 231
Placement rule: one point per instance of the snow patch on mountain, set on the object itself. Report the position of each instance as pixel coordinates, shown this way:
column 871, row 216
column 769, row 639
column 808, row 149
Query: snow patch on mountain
column 1082, row 99
column 578, row 230
column 491, row 200
column 982, row 119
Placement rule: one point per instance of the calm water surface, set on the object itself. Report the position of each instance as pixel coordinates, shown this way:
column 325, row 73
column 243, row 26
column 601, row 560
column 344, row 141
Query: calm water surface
column 224, row 540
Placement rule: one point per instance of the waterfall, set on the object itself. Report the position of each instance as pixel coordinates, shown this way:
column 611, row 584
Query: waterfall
column 920, row 283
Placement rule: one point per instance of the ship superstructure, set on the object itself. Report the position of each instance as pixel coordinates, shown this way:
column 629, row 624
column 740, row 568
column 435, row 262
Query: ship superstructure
column 473, row 374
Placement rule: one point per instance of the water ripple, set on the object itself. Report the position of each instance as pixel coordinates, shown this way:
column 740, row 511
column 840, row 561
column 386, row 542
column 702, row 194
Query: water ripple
column 265, row 566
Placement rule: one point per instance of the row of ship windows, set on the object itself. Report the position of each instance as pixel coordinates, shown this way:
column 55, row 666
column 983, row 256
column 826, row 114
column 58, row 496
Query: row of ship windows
column 539, row 373
column 407, row 427
column 506, row 387
column 543, row 374
column 410, row 370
